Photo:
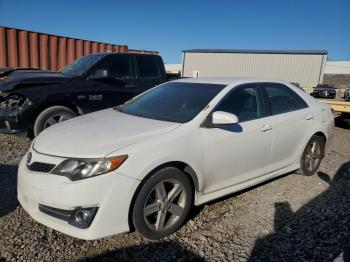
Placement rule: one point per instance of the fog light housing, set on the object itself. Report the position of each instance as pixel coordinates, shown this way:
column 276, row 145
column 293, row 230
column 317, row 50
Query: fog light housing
column 82, row 217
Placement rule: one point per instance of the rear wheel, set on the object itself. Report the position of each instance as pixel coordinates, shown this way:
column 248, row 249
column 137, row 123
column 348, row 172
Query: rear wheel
column 51, row 116
column 163, row 203
column 312, row 156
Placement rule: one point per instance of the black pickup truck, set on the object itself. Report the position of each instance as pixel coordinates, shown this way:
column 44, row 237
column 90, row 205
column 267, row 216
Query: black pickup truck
column 32, row 100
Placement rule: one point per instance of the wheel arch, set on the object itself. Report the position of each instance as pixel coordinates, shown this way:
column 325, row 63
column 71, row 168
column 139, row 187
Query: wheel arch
column 49, row 104
column 186, row 168
column 320, row 134
column 324, row 137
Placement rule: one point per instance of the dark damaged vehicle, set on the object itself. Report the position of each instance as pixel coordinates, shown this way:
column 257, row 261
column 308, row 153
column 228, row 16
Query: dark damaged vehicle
column 32, row 100
column 324, row 91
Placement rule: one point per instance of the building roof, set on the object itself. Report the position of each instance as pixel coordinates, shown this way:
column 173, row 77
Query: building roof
column 255, row 51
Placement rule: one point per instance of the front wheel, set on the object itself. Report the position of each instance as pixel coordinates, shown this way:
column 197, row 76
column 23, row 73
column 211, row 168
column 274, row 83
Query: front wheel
column 312, row 156
column 163, row 203
column 51, row 116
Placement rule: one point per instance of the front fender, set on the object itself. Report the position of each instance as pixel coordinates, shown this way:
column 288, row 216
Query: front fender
column 144, row 157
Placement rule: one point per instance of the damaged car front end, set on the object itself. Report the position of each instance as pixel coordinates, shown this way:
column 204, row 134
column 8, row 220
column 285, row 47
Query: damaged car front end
column 16, row 99
column 12, row 108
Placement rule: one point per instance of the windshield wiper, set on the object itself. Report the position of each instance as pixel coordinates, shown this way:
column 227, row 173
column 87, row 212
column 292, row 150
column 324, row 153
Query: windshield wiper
column 118, row 108
column 61, row 72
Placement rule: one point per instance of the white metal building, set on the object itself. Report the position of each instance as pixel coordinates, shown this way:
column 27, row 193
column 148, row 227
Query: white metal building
column 173, row 68
column 305, row 67
column 337, row 67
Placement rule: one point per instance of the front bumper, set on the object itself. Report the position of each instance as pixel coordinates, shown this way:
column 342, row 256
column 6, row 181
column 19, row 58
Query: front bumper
column 111, row 193
column 324, row 94
column 10, row 121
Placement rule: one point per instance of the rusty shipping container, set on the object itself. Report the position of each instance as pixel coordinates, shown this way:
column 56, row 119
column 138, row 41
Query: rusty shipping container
column 22, row 48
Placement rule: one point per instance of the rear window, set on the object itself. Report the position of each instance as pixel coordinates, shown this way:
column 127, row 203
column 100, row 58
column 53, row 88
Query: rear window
column 147, row 66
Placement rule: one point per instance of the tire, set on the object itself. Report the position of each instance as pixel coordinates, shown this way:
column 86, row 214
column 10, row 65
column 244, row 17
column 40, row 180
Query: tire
column 312, row 156
column 51, row 116
column 155, row 218
column 345, row 119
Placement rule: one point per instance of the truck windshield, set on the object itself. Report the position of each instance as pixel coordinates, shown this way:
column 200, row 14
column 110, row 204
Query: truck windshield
column 176, row 102
column 81, row 65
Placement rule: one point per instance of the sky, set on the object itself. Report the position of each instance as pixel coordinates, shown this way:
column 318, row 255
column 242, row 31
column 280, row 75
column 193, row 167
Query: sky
column 172, row 26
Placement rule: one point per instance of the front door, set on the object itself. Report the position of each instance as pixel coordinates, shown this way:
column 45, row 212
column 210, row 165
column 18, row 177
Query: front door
column 237, row 153
column 119, row 86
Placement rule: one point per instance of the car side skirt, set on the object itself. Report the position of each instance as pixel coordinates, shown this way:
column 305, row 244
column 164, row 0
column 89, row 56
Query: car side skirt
column 203, row 198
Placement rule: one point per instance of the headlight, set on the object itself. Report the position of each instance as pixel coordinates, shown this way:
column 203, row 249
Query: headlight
column 76, row 169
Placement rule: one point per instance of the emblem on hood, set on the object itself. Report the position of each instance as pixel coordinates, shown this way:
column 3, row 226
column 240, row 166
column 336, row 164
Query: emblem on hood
column 29, row 158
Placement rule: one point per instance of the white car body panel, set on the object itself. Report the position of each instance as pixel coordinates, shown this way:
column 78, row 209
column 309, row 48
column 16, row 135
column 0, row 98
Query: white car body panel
column 60, row 192
column 223, row 161
column 245, row 154
column 287, row 138
column 99, row 134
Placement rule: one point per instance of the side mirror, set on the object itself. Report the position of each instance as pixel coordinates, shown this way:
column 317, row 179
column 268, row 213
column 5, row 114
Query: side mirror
column 224, row 118
column 100, row 73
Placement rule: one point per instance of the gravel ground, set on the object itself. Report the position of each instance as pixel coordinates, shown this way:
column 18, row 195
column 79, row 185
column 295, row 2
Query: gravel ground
column 293, row 218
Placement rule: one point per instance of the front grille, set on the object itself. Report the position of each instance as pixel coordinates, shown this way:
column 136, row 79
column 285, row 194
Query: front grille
column 41, row 167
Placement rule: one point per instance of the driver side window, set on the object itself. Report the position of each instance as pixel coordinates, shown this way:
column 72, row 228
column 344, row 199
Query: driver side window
column 244, row 102
column 118, row 66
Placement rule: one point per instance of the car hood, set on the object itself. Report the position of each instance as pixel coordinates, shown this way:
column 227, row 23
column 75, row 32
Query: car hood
column 15, row 78
column 97, row 134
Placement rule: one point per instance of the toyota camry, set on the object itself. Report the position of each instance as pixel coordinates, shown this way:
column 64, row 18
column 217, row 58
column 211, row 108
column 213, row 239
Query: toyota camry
column 144, row 164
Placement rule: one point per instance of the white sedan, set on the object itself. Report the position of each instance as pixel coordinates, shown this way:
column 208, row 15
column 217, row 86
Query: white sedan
column 144, row 164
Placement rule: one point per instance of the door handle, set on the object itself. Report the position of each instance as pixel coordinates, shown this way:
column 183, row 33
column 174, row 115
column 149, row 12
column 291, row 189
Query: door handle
column 129, row 86
column 265, row 128
column 309, row 117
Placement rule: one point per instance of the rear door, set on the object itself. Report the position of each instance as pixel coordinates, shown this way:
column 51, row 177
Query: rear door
column 290, row 119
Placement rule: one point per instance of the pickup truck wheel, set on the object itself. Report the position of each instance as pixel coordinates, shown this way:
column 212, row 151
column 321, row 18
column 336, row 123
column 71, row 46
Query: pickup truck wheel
column 163, row 203
column 51, row 116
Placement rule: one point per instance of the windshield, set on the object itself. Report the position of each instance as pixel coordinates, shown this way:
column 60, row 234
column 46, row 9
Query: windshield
column 176, row 102
column 81, row 65
column 324, row 86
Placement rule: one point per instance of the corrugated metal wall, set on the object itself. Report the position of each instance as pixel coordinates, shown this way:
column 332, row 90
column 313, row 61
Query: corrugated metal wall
column 337, row 67
column 305, row 69
column 21, row 48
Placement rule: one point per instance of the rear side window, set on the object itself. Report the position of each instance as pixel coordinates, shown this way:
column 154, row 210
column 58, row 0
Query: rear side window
column 282, row 99
column 147, row 66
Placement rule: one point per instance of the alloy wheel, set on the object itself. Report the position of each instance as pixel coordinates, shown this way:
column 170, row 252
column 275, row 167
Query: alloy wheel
column 164, row 205
column 313, row 156
column 55, row 119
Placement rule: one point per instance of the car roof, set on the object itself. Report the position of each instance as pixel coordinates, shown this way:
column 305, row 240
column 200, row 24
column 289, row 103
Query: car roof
column 227, row 80
column 123, row 53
